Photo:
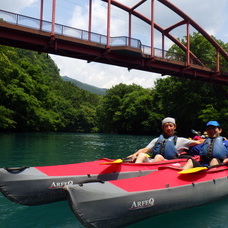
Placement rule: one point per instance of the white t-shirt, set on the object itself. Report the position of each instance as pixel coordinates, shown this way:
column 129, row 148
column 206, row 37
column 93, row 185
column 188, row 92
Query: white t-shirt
column 181, row 144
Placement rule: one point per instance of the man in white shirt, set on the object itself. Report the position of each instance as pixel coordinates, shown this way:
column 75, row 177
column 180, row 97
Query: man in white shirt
column 166, row 146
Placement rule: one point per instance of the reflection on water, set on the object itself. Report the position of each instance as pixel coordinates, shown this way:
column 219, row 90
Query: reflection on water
column 50, row 215
column 38, row 149
column 59, row 148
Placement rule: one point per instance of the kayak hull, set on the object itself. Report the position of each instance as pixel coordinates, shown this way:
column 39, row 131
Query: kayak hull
column 115, row 204
column 40, row 185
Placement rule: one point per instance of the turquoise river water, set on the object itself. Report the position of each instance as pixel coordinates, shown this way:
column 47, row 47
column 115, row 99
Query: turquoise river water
column 40, row 149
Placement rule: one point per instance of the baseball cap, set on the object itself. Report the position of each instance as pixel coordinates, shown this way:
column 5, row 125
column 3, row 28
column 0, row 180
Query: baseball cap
column 213, row 123
column 168, row 120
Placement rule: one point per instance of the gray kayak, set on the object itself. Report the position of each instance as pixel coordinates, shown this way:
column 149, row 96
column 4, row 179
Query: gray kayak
column 121, row 202
column 44, row 184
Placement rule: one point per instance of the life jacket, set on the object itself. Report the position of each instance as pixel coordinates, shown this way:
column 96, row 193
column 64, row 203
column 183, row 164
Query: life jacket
column 214, row 148
column 165, row 147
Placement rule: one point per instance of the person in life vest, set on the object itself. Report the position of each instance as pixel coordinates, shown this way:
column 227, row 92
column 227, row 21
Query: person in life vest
column 166, row 146
column 213, row 151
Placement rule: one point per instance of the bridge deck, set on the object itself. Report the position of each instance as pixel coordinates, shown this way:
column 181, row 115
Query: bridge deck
column 120, row 55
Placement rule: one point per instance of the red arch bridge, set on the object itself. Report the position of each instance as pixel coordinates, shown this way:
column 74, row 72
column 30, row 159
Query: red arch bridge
column 40, row 35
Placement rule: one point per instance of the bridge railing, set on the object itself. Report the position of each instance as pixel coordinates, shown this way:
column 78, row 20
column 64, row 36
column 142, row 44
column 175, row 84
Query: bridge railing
column 63, row 30
column 68, row 31
column 126, row 41
column 168, row 55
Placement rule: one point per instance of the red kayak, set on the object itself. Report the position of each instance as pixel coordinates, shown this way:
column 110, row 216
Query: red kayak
column 118, row 203
column 40, row 185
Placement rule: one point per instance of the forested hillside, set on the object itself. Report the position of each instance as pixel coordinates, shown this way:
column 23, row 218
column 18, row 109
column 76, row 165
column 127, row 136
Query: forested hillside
column 33, row 97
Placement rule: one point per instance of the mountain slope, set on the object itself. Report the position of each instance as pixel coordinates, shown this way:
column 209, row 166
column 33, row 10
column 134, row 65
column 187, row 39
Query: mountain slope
column 90, row 88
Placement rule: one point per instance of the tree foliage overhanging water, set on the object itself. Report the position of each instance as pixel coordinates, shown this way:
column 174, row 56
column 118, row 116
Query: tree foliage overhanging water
column 33, row 97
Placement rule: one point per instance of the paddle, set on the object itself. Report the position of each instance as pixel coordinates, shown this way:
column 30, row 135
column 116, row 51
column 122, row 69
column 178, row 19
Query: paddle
column 195, row 132
column 198, row 169
column 120, row 160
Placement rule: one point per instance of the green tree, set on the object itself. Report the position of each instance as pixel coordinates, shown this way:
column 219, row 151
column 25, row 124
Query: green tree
column 128, row 109
column 204, row 50
column 33, row 97
column 191, row 101
column 6, row 121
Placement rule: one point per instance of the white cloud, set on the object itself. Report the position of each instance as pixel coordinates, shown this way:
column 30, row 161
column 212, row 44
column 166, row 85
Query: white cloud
column 102, row 75
column 209, row 14
column 15, row 6
column 79, row 19
column 99, row 18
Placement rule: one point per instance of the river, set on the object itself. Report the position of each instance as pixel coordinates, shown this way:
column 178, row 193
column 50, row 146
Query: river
column 41, row 149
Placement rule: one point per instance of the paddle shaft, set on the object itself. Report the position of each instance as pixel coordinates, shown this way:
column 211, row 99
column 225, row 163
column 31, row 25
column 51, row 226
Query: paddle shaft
column 213, row 166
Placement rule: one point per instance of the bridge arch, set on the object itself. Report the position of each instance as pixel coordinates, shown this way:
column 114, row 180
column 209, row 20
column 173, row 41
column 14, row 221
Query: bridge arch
column 166, row 31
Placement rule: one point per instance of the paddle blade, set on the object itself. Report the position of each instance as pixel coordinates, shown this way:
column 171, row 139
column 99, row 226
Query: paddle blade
column 195, row 132
column 193, row 170
column 118, row 161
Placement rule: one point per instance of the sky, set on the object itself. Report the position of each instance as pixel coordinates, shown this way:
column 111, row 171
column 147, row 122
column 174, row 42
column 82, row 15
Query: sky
column 211, row 15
